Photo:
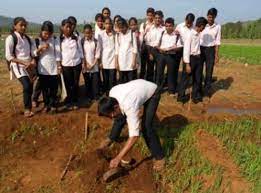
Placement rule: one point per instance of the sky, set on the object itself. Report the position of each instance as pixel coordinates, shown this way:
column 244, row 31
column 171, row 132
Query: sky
column 85, row 10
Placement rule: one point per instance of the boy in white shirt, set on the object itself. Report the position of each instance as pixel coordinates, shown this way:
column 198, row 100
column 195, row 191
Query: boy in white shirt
column 152, row 41
column 210, row 42
column 92, row 52
column 167, row 47
column 182, row 30
column 144, row 29
column 193, row 67
column 126, row 52
column 123, row 105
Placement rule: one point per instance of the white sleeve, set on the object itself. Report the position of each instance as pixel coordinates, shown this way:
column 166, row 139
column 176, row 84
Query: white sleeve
column 117, row 44
column 218, row 37
column 9, row 46
column 58, row 50
column 80, row 48
column 142, row 28
column 135, row 46
column 187, row 49
column 98, row 49
column 33, row 48
column 133, row 122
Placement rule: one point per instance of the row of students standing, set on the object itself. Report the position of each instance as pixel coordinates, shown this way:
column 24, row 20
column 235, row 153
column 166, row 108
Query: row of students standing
column 114, row 46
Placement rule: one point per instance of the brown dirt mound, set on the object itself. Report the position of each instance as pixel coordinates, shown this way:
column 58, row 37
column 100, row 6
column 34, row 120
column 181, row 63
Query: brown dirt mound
column 213, row 150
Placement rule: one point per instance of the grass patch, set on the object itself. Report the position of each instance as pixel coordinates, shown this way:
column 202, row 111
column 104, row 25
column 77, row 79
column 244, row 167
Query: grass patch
column 242, row 53
column 187, row 169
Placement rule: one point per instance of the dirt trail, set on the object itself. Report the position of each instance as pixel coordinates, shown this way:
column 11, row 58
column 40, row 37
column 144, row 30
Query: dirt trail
column 212, row 149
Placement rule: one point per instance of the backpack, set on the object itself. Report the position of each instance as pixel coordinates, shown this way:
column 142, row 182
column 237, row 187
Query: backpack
column 15, row 41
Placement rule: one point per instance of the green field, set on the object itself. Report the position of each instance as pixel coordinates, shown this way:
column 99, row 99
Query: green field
column 250, row 54
column 186, row 165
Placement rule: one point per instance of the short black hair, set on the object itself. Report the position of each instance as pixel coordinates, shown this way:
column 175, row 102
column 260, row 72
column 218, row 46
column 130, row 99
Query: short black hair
column 115, row 17
column 213, row 12
column 19, row 19
column 66, row 21
column 99, row 15
column 133, row 19
column 106, row 106
column 159, row 13
column 106, row 8
column 47, row 26
column 108, row 18
column 190, row 17
column 87, row 26
column 72, row 19
column 170, row 20
column 150, row 10
column 122, row 22
column 201, row 21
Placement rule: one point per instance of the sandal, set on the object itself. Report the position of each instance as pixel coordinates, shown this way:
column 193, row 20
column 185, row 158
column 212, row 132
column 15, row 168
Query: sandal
column 28, row 114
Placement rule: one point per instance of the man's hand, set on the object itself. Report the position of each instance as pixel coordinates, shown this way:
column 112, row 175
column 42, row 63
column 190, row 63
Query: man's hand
column 188, row 68
column 114, row 163
column 216, row 59
column 151, row 57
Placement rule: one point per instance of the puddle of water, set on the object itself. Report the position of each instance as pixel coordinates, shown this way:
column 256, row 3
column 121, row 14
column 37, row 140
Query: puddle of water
column 215, row 110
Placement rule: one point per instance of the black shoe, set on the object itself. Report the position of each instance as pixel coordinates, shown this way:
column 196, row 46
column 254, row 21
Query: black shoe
column 197, row 100
column 182, row 99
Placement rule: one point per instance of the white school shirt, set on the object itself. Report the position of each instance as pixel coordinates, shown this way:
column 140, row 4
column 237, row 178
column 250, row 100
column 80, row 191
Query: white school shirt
column 97, row 32
column 131, row 97
column 47, row 63
column 143, row 32
column 168, row 40
column 191, row 46
column 126, row 46
column 184, row 32
column 211, row 35
column 22, row 52
column 71, row 51
column 108, row 47
column 90, row 53
column 153, row 36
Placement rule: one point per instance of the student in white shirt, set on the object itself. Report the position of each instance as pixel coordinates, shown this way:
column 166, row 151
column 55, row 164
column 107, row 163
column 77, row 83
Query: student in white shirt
column 123, row 105
column 92, row 53
column 193, row 67
column 144, row 29
column 72, row 61
column 152, row 41
column 133, row 25
column 115, row 23
column 167, row 47
column 182, row 30
column 48, row 65
column 99, row 19
column 73, row 20
column 126, row 52
column 108, row 62
column 210, row 42
column 106, row 12
column 19, row 52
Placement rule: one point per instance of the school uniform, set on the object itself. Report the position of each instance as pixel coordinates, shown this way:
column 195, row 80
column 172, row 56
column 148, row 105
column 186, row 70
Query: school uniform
column 126, row 47
column 152, row 40
column 167, row 41
column 72, row 55
column 108, row 46
column 97, row 32
column 209, row 39
column 47, row 70
column 23, row 50
column 92, row 51
column 184, row 32
column 144, row 29
column 132, row 96
column 191, row 56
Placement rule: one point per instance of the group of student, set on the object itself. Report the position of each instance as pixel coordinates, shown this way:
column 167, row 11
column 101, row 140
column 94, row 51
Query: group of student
column 115, row 51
